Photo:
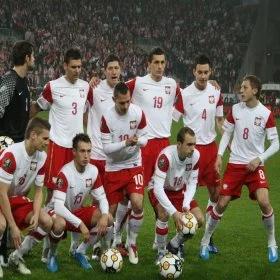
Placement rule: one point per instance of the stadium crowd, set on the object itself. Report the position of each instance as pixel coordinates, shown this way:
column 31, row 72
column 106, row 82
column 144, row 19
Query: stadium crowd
column 219, row 28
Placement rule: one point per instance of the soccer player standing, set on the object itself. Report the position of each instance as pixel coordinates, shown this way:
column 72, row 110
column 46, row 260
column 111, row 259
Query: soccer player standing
column 15, row 103
column 250, row 122
column 203, row 108
column 123, row 134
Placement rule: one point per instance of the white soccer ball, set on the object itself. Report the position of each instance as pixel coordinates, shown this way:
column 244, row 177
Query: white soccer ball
column 5, row 141
column 190, row 224
column 111, row 260
column 170, row 266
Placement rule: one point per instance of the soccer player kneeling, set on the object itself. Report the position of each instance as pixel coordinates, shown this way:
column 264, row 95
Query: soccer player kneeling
column 172, row 189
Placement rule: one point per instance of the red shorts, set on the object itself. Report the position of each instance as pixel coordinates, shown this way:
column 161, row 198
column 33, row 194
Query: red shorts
column 118, row 184
column 21, row 206
column 237, row 175
column 175, row 197
column 149, row 156
column 57, row 157
column 100, row 164
column 85, row 214
column 208, row 176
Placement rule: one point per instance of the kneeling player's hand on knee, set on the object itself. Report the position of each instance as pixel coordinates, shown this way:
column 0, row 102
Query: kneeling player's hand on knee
column 102, row 224
column 33, row 223
column 16, row 237
column 84, row 231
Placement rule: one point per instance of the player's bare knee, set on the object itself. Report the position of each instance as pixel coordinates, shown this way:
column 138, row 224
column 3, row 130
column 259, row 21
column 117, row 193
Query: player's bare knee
column 59, row 225
column 3, row 225
column 162, row 214
column 110, row 220
column 45, row 221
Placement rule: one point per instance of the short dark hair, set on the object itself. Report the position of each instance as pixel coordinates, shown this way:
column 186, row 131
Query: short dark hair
column 81, row 137
column 182, row 132
column 37, row 125
column 20, row 50
column 255, row 82
column 120, row 88
column 110, row 58
column 202, row 59
column 72, row 53
column 155, row 51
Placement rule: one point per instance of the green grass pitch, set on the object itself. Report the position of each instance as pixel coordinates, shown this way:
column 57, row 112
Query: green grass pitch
column 240, row 237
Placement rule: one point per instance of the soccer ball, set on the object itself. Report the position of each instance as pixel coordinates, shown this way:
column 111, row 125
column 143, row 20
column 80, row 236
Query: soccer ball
column 190, row 223
column 170, row 266
column 5, row 141
column 111, row 260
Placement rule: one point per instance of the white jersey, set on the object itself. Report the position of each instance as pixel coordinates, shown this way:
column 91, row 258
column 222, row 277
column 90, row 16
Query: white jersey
column 115, row 130
column 173, row 174
column 77, row 185
column 201, row 107
column 102, row 100
column 20, row 170
column 250, row 127
column 157, row 100
column 66, row 102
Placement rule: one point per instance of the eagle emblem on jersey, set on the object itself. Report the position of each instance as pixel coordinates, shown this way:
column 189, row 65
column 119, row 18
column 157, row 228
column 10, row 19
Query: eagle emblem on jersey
column 33, row 165
column 59, row 182
column 133, row 124
column 82, row 92
column 88, row 183
column 258, row 121
column 167, row 89
column 211, row 99
column 188, row 167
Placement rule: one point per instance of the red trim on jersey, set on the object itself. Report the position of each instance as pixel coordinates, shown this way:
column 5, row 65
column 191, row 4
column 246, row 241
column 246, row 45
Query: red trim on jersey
column 61, row 182
column 104, row 127
column 270, row 121
column 42, row 170
column 97, row 183
column 220, row 101
column 196, row 165
column 8, row 163
column 47, row 93
column 163, row 163
column 131, row 85
column 178, row 104
column 230, row 117
column 143, row 122
column 90, row 96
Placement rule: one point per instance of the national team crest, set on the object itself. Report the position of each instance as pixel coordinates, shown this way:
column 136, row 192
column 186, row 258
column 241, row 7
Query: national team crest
column 59, row 182
column 167, row 89
column 258, row 121
column 88, row 183
column 211, row 99
column 133, row 124
column 188, row 167
column 82, row 92
column 33, row 165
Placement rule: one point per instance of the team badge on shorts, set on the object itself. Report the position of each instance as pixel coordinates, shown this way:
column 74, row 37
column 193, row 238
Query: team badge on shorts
column 133, row 124
column 258, row 121
column 211, row 99
column 88, row 183
column 225, row 186
column 33, row 165
column 188, row 167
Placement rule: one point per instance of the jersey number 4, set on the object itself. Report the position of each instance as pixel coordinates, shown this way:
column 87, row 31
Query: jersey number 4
column 204, row 116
